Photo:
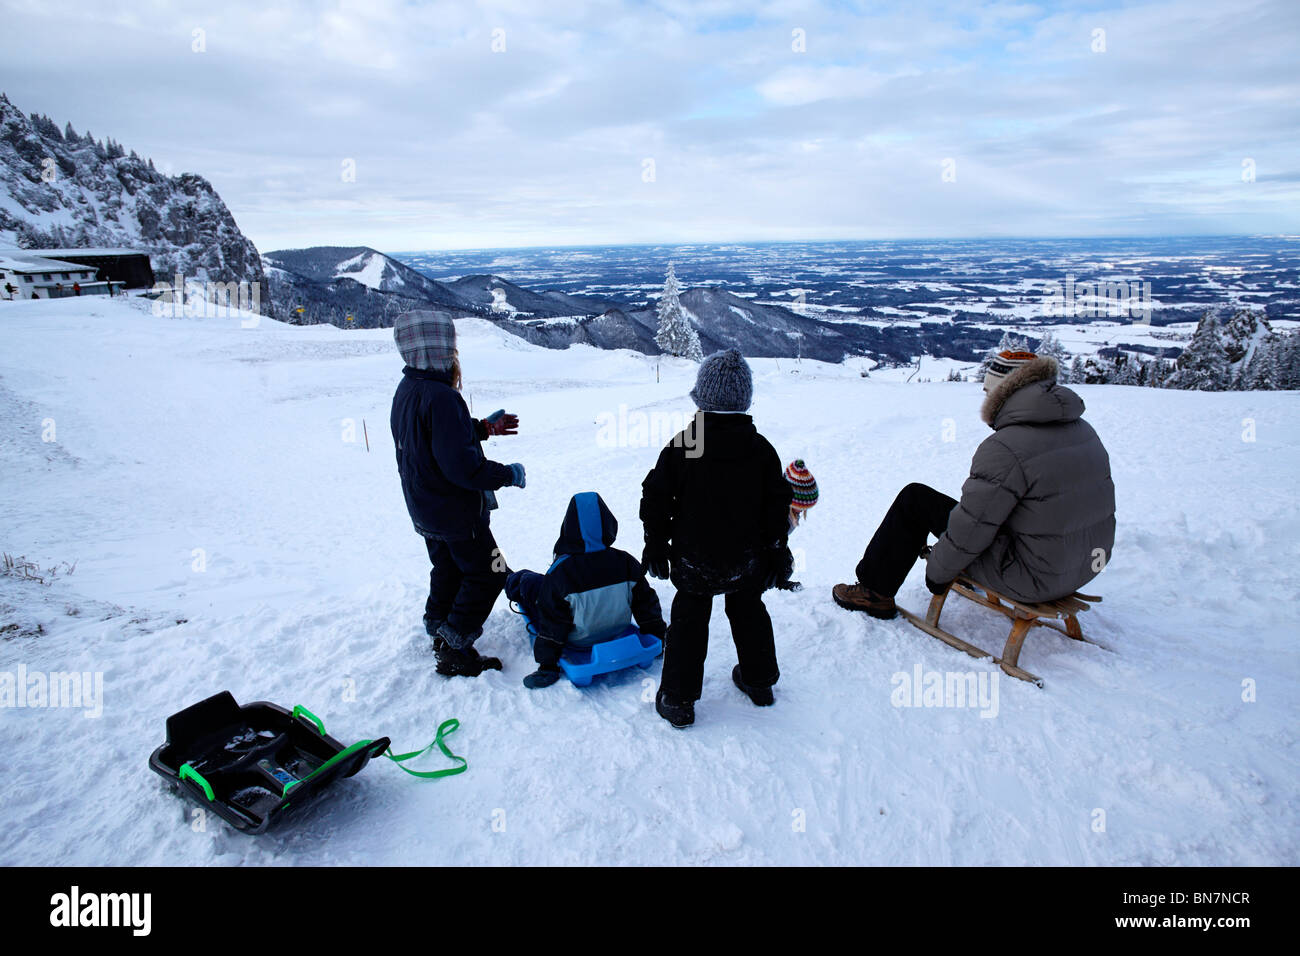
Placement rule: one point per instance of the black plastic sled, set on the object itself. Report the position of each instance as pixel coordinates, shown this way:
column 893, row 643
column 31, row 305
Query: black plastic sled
column 252, row 765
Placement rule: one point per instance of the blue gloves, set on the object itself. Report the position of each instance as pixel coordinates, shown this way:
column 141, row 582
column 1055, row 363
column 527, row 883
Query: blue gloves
column 518, row 480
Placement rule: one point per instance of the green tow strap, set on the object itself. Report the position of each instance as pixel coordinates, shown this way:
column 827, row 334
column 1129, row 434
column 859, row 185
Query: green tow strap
column 445, row 728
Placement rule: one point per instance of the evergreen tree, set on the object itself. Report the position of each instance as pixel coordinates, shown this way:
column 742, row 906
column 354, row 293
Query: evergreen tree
column 676, row 336
column 1076, row 370
column 1125, row 370
column 1203, row 365
column 1279, row 368
column 1159, row 371
column 1098, row 370
column 1050, row 347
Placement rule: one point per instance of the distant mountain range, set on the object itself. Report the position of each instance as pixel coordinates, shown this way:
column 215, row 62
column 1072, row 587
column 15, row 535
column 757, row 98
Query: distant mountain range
column 886, row 302
column 332, row 283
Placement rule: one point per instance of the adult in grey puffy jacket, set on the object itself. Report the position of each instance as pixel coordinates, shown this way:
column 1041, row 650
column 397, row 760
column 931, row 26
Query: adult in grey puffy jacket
column 1036, row 519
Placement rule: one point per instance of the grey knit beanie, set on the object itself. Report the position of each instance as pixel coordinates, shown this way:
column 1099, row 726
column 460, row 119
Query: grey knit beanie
column 426, row 339
column 724, row 384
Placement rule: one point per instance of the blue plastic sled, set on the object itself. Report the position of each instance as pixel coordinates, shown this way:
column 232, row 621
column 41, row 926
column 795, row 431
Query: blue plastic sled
column 629, row 649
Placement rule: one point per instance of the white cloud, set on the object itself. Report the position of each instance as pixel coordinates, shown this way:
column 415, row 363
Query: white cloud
column 544, row 143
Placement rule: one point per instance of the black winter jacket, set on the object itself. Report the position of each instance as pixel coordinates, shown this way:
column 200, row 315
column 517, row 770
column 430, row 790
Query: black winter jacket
column 445, row 476
column 593, row 590
column 717, row 503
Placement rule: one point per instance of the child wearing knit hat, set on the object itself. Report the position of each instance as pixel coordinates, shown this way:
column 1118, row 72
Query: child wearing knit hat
column 803, row 491
column 716, row 523
column 803, row 496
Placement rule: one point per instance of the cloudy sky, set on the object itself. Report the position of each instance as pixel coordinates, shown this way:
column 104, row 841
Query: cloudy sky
column 420, row 125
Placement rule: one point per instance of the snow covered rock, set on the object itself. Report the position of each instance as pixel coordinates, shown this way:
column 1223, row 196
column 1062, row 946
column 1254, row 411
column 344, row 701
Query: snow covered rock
column 60, row 188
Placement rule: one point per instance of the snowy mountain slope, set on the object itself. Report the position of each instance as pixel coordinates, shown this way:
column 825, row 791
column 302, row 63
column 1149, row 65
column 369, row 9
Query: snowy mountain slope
column 502, row 296
column 186, row 444
column 365, row 266
column 63, row 189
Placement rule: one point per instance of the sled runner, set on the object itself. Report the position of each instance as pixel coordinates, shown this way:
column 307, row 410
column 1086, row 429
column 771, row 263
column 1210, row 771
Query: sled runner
column 1023, row 616
column 629, row 649
column 254, row 764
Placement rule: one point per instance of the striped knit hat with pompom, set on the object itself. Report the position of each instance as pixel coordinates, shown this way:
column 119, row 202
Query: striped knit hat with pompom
column 803, row 486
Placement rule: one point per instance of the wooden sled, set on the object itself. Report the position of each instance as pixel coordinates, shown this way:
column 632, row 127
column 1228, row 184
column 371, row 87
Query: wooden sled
column 1023, row 617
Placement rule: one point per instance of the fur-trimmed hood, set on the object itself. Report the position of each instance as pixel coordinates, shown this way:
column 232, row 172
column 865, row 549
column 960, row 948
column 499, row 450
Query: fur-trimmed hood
column 1029, row 395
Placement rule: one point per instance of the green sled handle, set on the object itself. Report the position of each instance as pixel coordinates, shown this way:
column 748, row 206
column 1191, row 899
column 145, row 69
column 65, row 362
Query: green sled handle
column 189, row 773
column 300, row 712
column 446, row 728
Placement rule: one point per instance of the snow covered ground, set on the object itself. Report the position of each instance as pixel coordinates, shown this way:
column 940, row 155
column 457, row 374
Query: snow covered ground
column 199, row 471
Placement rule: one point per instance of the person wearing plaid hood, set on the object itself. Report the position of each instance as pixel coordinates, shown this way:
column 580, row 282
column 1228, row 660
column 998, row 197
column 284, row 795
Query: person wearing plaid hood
column 449, row 486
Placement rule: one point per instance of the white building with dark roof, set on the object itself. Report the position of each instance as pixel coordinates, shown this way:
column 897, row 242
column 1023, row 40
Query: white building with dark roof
column 33, row 274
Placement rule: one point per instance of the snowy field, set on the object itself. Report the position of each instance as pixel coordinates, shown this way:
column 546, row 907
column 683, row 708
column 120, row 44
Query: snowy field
column 206, row 473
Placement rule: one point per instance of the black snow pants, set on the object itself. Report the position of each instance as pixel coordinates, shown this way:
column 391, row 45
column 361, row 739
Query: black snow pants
column 467, row 576
column 918, row 511
column 687, row 643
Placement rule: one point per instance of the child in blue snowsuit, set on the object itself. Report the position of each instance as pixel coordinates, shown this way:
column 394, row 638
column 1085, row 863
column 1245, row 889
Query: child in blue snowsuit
column 590, row 594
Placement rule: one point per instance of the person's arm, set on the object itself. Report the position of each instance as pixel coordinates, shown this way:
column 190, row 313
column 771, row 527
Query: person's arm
column 457, row 452
column 554, row 625
column 994, row 488
column 645, row 603
column 774, row 521
column 658, row 505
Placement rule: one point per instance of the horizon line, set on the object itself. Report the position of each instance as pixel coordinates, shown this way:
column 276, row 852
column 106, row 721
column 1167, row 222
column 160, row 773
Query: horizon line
column 775, row 242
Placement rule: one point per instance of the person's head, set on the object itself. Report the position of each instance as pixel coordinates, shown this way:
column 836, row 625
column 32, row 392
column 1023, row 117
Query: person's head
column 804, row 494
column 427, row 341
column 589, row 525
column 724, row 383
column 1002, row 365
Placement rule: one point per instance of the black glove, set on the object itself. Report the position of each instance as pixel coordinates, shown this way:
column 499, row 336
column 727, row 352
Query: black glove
column 778, row 565
column 655, row 561
column 935, row 587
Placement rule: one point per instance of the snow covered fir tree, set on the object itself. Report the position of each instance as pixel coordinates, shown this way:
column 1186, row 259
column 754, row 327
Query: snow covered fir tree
column 1231, row 349
column 676, row 335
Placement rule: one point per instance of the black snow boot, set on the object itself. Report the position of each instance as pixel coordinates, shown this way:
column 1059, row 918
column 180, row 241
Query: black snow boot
column 466, row 663
column 679, row 713
column 542, row 677
column 761, row 696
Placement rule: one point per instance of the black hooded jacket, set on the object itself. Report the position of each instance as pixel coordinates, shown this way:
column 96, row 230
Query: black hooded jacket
column 717, row 504
column 593, row 590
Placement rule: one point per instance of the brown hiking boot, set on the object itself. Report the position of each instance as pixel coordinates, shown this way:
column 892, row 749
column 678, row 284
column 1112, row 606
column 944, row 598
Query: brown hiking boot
column 854, row 597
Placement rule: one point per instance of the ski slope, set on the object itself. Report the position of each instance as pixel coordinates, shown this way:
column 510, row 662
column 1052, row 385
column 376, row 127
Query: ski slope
column 216, row 475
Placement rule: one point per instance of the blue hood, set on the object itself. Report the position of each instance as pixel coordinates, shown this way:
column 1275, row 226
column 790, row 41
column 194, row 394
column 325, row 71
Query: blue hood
column 589, row 526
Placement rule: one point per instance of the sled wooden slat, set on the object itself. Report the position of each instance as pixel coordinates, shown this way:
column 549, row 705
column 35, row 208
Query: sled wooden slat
column 953, row 640
column 1023, row 616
